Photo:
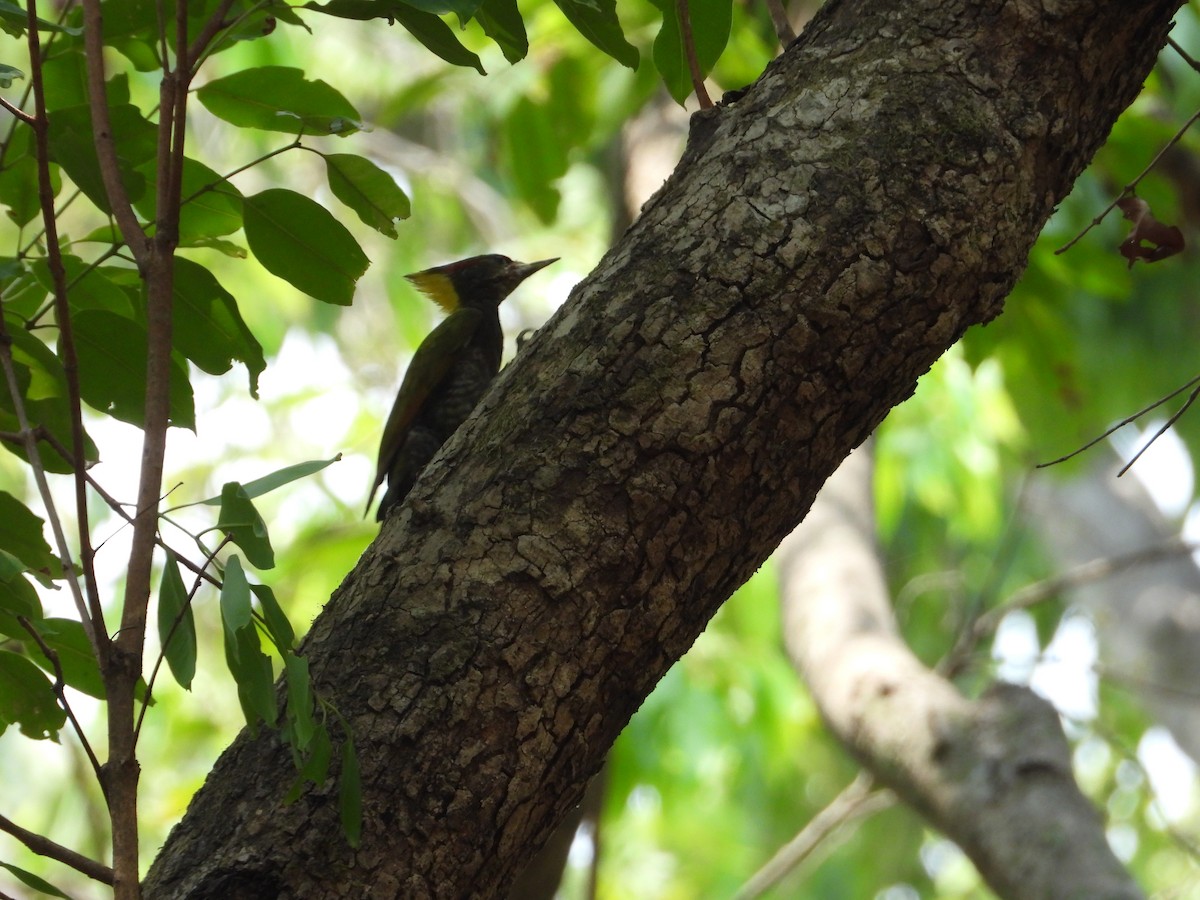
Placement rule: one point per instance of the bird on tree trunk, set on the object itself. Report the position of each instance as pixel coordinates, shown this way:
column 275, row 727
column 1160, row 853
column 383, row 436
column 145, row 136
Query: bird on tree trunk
column 451, row 369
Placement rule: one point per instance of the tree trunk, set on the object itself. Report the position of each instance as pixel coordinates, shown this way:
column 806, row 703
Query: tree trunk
column 825, row 238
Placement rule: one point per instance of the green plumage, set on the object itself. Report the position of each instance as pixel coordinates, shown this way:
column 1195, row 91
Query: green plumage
column 451, row 369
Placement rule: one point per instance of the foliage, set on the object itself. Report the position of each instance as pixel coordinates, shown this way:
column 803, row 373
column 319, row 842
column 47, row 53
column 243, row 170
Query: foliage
column 299, row 169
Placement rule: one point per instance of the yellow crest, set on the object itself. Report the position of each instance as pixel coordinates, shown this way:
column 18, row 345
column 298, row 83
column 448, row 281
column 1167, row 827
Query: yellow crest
column 438, row 288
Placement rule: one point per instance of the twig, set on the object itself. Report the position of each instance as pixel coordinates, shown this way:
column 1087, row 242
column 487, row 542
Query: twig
column 1086, row 573
column 1132, row 186
column 43, row 846
column 858, row 800
column 1127, row 420
column 93, row 618
column 689, row 50
column 27, row 439
column 200, row 45
column 1171, row 421
column 59, row 684
column 1183, row 53
column 783, row 25
column 17, row 112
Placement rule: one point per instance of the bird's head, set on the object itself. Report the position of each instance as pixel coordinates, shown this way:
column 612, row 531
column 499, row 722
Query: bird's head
column 480, row 282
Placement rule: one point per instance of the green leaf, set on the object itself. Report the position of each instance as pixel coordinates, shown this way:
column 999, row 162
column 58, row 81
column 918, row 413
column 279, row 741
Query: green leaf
column 597, row 21
column 14, row 19
column 236, row 612
column 73, row 147
column 17, row 595
column 280, row 98
column 19, row 189
column 21, row 535
column 8, row 74
column 33, row 881
column 710, row 21
column 92, row 287
column 209, row 329
column 350, row 793
column 176, row 624
column 240, row 520
column 27, row 699
column 537, row 157
column 112, row 369
column 425, row 27
column 320, row 752
column 298, row 240
column 70, row 643
column 300, row 701
column 278, row 626
column 368, row 190
column 275, row 480
column 464, row 9
column 501, row 21
column 212, row 207
column 251, row 669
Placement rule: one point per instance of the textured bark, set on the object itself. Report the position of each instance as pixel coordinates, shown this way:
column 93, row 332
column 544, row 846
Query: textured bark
column 826, row 237
column 992, row 773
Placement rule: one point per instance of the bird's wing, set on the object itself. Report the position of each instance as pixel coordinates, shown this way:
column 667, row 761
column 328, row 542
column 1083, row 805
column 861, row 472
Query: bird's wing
column 433, row 359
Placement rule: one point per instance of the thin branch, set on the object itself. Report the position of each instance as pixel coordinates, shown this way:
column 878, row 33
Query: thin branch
column 1132, row 186
column 1171, row 421
column 689, row 50
column 1127, row 420
column 1040, row 591
column 43, row 846
column 93, row 621
column 59, row 684
column 17, row 112
column 1183, row 53
column 209, row 31
column 106, row 149
column 29, row 442
column 858, row 800
column 783, row 25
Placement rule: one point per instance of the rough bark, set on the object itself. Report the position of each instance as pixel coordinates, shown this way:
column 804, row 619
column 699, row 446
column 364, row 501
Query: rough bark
column 826, row 237
column 993, row 773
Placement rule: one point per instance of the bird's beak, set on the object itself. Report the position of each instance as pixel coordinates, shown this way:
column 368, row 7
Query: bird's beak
column 520, row 271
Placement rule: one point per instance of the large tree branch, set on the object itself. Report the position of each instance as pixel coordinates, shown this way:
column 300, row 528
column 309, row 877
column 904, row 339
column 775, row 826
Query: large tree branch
column 825, row 238
column 994, row 774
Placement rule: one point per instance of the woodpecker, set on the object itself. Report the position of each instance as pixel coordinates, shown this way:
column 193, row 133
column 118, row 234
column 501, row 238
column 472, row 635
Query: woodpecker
column 451, row 369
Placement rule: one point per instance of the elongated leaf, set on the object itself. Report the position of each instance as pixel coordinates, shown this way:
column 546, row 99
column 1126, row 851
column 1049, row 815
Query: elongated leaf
column 8, row 74
column 710, row 20
column 73, row 147
column 176, row 624
column 425, row 27
column 538, row 159
column 14, row 19
column 298, row 240
column 276, row 479
column 33, row 881
column 464, row 9
column 279, row 98
column 236, row 612
column 368, row 190
column 19, row 189
column 212, row 207
column 112, row 369
column 240, row 520
column 251, row 669
column 17, row 596
column 209, row 329
column 502, row 22
column 597, row 21
column 300, row 701
column 21, row 535
column 27, row 699
column 70, row 644
column 278, row 626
